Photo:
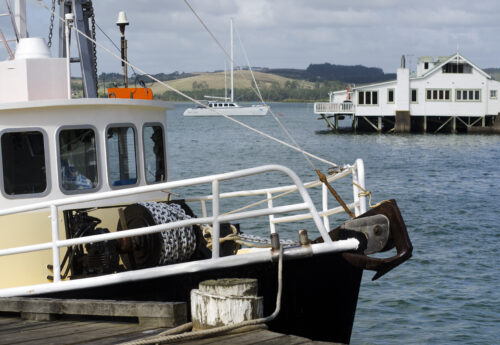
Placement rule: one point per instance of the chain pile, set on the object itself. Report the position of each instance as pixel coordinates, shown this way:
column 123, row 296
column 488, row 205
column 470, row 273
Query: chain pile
column 179, row 244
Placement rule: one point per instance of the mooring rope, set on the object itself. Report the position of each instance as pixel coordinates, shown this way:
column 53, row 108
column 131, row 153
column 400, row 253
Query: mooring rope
column 256, row 90
column 168, row 338
column 39, row 2
column 365, row 192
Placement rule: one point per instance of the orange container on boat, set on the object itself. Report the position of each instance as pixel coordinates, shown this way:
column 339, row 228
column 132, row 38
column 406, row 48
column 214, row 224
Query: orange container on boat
column 130, row 92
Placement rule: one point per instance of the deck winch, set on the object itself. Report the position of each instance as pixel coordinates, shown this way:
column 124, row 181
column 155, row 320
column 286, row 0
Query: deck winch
column 155, row 249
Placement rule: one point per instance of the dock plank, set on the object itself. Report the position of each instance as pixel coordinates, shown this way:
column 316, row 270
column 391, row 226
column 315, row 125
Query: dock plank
column 99, row 332
column 58, row 333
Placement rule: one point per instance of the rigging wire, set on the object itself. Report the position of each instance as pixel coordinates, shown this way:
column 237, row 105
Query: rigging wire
column 40, row 3
column 287, row 132
column 256, row 89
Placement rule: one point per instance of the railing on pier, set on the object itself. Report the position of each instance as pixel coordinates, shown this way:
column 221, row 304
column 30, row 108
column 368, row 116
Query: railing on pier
column 215, row 219
column 334, row 108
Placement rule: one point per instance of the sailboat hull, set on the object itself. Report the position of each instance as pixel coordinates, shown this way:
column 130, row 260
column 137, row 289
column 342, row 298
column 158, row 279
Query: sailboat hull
column 228, row 111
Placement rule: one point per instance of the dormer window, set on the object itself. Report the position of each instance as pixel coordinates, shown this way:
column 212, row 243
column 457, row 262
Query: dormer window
column 426, row 65
column 453, row 67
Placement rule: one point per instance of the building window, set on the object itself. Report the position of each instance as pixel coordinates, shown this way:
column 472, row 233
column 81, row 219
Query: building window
column 368, row 97
column 437, row 94
column 390, row 96
column 23, row 161
column 121, row 153
column 154, row 154
column 77, row 159
column 361, row 98
column 493, row 94
column 468, row 95
column 453, row 67
column 414, row 96
column 426, row 65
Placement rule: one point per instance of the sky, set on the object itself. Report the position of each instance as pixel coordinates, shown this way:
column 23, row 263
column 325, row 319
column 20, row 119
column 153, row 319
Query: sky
column 165, row 36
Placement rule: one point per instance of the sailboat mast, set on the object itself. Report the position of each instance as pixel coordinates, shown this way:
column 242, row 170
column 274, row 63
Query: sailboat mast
column 232, row 85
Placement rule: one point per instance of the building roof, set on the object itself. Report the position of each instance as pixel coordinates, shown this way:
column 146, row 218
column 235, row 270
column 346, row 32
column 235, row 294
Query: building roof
column 454, row 58
column 441, row 61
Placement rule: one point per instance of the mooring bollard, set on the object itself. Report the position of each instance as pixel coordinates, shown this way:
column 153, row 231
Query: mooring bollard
column 225, row 302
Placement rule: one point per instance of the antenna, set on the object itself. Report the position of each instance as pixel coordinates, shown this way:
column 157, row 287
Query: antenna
column 409, row 58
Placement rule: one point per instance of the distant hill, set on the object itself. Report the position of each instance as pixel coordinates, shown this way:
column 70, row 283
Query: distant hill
column 276, row 84
column 328, row 72
column 118, row 78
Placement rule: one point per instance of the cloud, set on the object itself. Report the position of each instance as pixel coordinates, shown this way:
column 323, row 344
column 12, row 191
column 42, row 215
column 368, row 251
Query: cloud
column 165, row 36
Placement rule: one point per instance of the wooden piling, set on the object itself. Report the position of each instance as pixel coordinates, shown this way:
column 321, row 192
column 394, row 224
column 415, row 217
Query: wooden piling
column 403, row 124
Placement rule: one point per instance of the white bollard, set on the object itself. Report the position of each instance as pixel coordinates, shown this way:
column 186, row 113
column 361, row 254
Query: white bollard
column 225, row 302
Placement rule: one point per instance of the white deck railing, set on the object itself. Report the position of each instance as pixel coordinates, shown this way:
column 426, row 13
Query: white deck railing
column 358, row 204
column 333, row 108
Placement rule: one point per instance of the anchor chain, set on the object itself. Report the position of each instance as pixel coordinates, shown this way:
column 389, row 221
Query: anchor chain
column 94, row 47
column 51, row 26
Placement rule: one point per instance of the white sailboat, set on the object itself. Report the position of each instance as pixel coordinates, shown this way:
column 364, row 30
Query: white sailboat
column 218, row 106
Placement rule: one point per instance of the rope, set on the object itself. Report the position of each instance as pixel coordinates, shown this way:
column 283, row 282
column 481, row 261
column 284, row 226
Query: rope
column 276, row 118
column 367, row 193
column 242, row 239
column 214, row 331
column 190, row 98
column 40, row 3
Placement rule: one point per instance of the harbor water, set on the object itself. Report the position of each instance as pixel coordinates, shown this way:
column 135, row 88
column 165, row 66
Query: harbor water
column 448, row 190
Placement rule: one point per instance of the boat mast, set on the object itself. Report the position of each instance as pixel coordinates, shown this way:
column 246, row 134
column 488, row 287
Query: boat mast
column 232, row 86
column 83, row 12
column 225, row 80
column 20, row 18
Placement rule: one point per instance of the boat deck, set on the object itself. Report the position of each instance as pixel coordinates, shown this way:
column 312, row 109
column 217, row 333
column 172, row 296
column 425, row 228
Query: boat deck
column 58, row 322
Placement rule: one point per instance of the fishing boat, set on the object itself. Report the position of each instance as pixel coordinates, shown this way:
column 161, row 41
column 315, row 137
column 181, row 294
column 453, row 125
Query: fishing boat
column 88, row 209
column 218, row 106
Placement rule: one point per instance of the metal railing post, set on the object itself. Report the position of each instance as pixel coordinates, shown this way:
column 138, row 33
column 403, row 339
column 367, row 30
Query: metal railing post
column 358, row 176
column 215, row 217
column 55, row 249
column 324, row 196
column 272, row 226
column 203, row 208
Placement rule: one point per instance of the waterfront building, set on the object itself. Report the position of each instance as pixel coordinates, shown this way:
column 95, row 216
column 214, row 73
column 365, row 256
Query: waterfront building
column 444, row 94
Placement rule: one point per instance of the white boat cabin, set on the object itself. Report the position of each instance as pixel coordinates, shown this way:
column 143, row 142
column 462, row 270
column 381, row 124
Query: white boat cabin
column 216, row 104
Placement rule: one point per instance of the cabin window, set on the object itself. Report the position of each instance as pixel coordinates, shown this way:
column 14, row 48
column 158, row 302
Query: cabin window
column 437, row 95
column 368, row 97
column 23, row 161
column 493, row 94
column 77, row 159
column 468, row 95
column 154, row 153
column 414, row 96
column 121, row 153
column 390, row 96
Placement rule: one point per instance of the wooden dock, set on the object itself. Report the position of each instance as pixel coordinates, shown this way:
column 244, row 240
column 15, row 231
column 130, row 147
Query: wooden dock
column 48, row 321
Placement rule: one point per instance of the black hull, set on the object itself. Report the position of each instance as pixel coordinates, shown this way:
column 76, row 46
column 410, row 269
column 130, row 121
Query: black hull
column 319, row 293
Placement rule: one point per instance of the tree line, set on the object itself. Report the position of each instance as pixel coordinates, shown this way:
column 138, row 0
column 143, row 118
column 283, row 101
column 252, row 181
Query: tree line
column 290, row 92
